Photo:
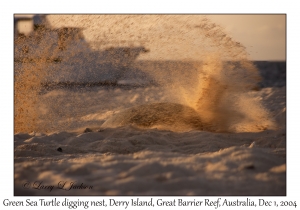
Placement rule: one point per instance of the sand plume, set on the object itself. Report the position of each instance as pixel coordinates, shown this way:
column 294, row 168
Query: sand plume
column 217, row 86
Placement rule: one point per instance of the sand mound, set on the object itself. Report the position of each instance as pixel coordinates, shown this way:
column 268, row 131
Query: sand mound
column 164, row 116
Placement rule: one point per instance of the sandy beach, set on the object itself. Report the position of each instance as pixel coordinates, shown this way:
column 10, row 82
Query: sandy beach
column 131, row 161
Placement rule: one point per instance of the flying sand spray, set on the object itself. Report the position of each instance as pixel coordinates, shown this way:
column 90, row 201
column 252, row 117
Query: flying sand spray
column 219, row 100
column 215, row 97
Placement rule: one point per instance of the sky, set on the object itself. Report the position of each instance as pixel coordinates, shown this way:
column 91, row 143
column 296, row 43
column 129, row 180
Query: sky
column 264, row 36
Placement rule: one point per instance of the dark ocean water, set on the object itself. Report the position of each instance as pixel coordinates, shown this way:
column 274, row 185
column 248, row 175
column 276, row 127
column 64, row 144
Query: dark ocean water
column 149, row 73
column 273, row 73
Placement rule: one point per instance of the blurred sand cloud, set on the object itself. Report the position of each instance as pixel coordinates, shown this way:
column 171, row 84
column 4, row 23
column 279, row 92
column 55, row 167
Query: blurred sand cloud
column 264, row 36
